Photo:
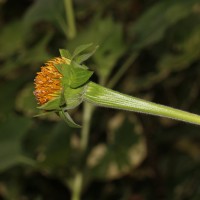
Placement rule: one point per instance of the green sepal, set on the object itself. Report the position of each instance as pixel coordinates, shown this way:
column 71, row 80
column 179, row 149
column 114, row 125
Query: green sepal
column 74, row 74
column 83, row 57
column 65, row 53
column 67, row 118
column 44, row 113
column 80, row 49
column 53, row 104
column 73, row 97
column 79, row 76
column 64, row 69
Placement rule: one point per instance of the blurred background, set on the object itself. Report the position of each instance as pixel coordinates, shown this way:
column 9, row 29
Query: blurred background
column 149, row 49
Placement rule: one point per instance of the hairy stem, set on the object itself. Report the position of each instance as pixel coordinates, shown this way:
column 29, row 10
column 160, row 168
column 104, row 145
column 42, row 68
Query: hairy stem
column 102, row 96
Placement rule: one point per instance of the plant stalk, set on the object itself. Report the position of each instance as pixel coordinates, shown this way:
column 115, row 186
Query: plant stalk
column 70, row 19
column 79, row 177
column 122, row 70
column 87, row 114
column 77, row 186
column 101, row 96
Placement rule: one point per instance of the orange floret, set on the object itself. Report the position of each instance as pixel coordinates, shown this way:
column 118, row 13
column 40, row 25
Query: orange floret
column 47, row 81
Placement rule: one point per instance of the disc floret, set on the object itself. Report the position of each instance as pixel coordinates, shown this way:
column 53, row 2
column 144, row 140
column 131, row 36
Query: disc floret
column 48, row 81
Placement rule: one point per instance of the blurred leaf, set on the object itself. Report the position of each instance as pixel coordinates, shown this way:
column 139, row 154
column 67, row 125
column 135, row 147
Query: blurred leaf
column 36, row 54
column 12, row 130
column 57, row 149
column 7, row 98
column 151, row 26
column 189, row 52
column 12, row 39
column 25, row 101
column 124, row 153
column 190, row 147
column 44, row 10
column 106, row 34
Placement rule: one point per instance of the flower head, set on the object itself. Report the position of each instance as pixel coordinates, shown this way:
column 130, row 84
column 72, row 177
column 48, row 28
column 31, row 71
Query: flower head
column 48, row 81
column 61, row 83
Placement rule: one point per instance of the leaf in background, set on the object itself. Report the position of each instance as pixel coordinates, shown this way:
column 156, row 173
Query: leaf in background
column 12, row 39
column 12, row 131
column 151, row 26
column 106, row 34
column 125, row 152
column 189, row 52
column 35, row 54
column 7, row 97
column 57, row 148
column 25, row 101
column 44, row 10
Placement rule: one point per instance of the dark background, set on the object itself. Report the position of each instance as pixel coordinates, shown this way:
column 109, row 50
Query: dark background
column 154, row 46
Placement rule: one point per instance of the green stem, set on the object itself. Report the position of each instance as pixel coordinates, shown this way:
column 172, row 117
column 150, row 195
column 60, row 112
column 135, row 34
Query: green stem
column 70, row 19
column 121, row 71
column 102, row 96
column 87, row 114
column 79, row 177
column 77, row 186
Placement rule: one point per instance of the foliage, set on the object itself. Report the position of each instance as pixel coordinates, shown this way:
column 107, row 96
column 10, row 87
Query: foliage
column 130, row 156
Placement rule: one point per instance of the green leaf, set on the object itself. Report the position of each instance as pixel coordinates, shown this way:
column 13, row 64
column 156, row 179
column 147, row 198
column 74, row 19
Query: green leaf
column 65, row 53
column 67, row 118
column 80, row 49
